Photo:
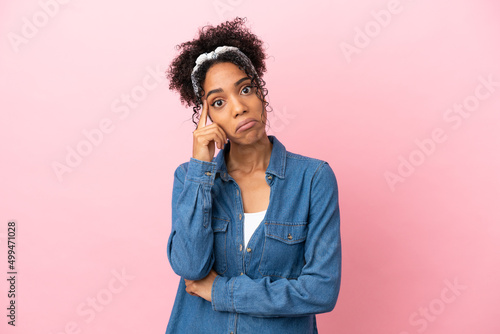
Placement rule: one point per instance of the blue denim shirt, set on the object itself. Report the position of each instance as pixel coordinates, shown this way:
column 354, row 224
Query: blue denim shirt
column 291, row 267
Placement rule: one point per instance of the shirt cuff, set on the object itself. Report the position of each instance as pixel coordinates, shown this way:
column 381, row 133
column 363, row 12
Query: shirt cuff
column 201, row 171
column 222, row 294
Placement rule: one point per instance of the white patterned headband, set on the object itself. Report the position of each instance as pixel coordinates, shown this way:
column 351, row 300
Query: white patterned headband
column 213, row 55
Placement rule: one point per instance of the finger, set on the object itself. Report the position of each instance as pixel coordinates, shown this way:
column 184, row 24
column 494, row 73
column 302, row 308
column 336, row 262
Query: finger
column 220, row 131
column 223, row 137
column 210, row 133
column 206, row 138
column 192, row 293
column 204, row 113
column 209, row 128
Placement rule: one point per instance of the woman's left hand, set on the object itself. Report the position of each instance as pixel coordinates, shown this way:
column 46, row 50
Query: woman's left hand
column 203, row 287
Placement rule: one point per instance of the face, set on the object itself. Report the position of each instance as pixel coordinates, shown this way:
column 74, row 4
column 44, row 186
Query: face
column 231, row 99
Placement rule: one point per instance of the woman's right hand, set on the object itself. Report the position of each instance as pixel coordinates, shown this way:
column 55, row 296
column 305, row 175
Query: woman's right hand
column 205, row 137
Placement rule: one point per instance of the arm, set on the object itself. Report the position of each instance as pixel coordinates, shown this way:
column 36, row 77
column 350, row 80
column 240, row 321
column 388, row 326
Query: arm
column 317, row 288
column 190, row 242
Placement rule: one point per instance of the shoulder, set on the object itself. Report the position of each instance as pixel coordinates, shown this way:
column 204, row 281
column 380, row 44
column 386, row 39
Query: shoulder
column 302, row 159
column 295, row 160
column 315, row 169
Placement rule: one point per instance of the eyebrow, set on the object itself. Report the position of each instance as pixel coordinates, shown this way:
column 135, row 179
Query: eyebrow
column 220, row 90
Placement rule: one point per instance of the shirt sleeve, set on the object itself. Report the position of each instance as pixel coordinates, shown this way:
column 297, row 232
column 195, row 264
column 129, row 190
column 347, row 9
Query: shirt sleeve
column 316, row 289
column 190, row 244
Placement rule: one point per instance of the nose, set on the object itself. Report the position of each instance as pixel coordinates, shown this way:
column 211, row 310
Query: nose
column 238, row 106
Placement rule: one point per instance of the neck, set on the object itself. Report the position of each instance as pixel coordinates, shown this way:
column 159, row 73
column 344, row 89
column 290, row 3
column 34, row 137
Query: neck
column 246, row 159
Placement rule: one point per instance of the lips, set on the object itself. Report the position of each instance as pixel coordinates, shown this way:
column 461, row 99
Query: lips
column 244, row 122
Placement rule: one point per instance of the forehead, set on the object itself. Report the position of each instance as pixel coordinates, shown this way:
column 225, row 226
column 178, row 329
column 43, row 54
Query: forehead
column 222, row 74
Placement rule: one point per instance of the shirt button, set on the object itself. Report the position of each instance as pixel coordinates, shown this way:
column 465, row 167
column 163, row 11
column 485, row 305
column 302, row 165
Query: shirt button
column 208, row 173
column 289, row 236
column 240, row 216
column 269, row 177
column 249, row 249
column 241, row 273
column 241, row 247
column 237, row 192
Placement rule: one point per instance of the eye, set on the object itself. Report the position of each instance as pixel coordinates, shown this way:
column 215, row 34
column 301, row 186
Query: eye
column 218, row 105
column 249, row 90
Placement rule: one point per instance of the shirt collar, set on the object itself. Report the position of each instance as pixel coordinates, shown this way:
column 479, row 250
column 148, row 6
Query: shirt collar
column 276, row 165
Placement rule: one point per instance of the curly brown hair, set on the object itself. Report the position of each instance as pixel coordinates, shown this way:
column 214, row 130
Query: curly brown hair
column 230, row 33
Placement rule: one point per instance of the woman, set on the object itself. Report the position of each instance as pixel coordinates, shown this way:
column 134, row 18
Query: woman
column 256, row 229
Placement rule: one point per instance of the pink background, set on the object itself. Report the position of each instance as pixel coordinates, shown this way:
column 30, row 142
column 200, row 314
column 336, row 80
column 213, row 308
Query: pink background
column 405, row 241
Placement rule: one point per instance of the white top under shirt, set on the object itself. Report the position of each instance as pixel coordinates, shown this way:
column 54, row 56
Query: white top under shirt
column 252, row 221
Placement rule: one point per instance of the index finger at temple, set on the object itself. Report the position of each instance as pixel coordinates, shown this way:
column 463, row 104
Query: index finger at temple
column 204, row 114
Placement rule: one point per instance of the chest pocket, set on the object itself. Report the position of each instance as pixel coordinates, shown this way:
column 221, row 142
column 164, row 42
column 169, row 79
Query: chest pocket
column 219, row 227
column 283, row 252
